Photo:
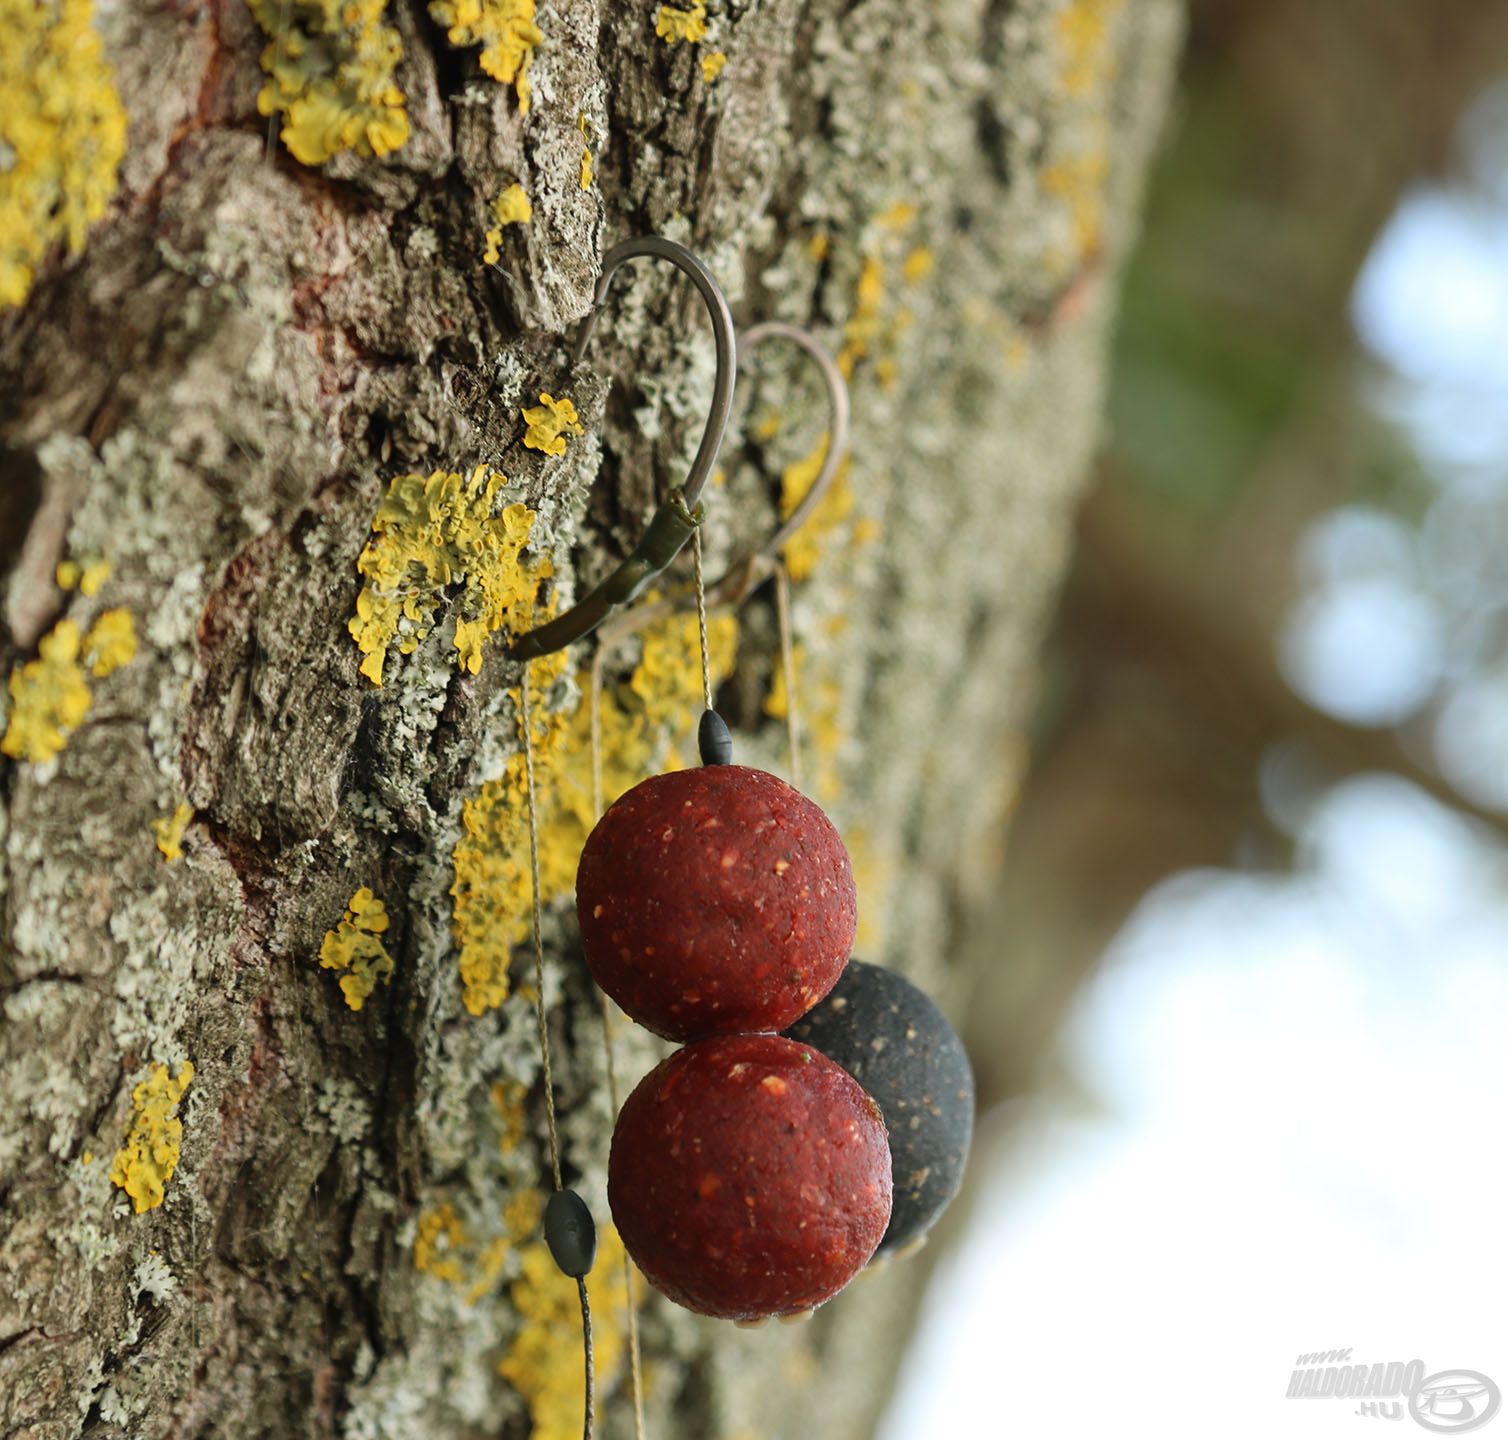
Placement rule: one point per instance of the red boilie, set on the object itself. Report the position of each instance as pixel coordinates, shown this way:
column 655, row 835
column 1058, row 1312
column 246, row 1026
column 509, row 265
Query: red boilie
column 715, row 901
column 750, row 1177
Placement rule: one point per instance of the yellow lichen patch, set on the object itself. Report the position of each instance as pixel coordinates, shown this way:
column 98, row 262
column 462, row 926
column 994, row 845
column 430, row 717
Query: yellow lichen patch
column 445, row 1250
column 62, row 134
column 145, row 1163
column 437, row 1245
column 832, row 514
column 865, row 323
column 521, row 1219
column 355, row 946
column 673, row 25
column 872, row 332
column 712, row 66
column 512, row 207
column 523, row 1214
column 492, row 890
column 505, row 30
column 919, row 264
column 663, row 695
column 49, row 697
column 1078, row 163
column 586, row 162
column 549, row 423
column 543, row 1362
column 428, row 535
column 819, row 702
column 489, row 1266
column 1079, row 181
column 508, row 1100
column 1015, row 350
column 330, row 67
column 88, row 576
column 169, row 830
column 872, row 869
column 1083, row 32
column 111, row 643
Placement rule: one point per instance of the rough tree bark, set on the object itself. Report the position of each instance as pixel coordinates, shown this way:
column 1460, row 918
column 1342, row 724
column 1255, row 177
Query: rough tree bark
column 213, row 398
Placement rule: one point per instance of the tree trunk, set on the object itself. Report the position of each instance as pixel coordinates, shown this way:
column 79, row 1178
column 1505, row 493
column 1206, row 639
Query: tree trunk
column 268, row 1168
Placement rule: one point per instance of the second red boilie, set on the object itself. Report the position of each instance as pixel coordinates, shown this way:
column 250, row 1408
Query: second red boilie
column 749, row 1177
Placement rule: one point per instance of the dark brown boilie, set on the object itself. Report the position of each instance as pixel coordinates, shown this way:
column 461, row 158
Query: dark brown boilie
column 715, row 901
column 899, row 1046
column 749, row 1177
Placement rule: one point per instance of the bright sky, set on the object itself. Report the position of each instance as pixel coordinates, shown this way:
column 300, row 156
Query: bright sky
column 1303, row 1150
column 1303, row 1077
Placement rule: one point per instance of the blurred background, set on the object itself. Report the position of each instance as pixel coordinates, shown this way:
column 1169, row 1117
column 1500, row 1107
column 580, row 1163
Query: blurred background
column 1264, row 838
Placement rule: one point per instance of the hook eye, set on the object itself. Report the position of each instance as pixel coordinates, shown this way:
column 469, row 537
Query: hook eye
column 679, row 515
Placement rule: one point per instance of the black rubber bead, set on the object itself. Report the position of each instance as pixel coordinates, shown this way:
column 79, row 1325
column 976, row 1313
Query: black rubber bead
column 713, row 739
column 571, row 1233
column 899, row 1046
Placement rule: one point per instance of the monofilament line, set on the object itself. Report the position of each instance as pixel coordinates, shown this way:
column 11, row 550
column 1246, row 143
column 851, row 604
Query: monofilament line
column 539, row 944
column 701, row 615
column 588, row 1400
column 594, row 716
column 635, row 1366
column 277, row 59
column 788, row 667
column 589, row 1406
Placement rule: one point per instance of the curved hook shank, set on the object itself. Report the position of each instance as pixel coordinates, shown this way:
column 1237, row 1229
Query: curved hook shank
column 722, row 333
column 837, row 400
column 676, row 519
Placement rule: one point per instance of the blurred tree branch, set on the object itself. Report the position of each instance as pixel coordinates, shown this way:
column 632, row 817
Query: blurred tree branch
column 1234, row 421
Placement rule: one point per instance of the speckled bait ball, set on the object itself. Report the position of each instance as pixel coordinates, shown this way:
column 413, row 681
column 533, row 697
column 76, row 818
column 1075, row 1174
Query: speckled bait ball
column 715, row 901
column 749, row 1177
column 900, row 1047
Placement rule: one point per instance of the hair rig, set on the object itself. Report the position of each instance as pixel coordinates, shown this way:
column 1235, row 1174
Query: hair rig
column 751, row 1173
column 681, row 513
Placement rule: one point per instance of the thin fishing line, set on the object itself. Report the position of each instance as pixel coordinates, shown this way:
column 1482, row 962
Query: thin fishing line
column 588, row 1400
column 594, row 699
column 539, row 944
column 701, row 615
column 194, row 1252
column 635, row 1365
column 277, row 56
column 788, row 667
column 589, row 1417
